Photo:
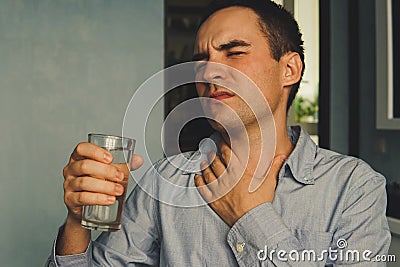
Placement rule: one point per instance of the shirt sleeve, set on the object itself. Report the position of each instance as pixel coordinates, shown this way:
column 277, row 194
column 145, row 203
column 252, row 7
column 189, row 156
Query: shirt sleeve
column 71, row 260
column 363, row 229
column 257, row 241
column 261, row 238
column 136, row 244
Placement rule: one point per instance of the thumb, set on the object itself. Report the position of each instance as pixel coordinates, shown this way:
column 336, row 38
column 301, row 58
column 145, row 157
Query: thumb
column 271, row 179
column 136, row 161
column 276, row 165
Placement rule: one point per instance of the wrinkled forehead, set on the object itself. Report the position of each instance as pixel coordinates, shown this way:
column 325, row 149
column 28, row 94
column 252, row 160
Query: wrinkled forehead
column 231, row 22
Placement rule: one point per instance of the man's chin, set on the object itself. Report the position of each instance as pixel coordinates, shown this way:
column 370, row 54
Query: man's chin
column 215, row 125
column 225, row 125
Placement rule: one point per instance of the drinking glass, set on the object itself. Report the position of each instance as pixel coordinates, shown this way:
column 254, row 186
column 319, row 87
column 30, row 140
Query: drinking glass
column 108, row 218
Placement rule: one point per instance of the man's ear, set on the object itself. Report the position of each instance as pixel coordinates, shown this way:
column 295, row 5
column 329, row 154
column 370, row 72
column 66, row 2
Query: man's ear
column 293, row 67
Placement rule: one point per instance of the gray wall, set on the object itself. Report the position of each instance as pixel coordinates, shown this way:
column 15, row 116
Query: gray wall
column 370, row 139
column 339, row 76
column 66, row 68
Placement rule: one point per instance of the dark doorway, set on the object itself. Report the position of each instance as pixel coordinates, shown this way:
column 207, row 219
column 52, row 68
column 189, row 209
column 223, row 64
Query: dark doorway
column 182, row 19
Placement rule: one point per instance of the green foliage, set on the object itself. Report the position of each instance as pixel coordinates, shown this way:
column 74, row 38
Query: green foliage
column 306, row 109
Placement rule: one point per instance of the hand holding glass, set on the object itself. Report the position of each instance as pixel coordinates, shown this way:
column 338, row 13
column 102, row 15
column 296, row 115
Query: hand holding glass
column 108, row 218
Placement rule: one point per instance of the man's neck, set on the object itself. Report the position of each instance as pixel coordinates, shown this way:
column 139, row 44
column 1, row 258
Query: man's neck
column 255, row 145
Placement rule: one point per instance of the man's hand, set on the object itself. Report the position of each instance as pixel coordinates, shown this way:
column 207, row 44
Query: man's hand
column 91, row 179
column 226, row 187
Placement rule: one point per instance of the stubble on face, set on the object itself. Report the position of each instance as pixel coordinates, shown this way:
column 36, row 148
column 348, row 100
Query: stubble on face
column 233, row 37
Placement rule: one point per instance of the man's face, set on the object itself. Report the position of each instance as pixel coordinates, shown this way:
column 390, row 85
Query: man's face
column 232, row 36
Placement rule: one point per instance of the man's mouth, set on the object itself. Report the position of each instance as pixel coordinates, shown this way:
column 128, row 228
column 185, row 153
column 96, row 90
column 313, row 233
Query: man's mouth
column 220, row 95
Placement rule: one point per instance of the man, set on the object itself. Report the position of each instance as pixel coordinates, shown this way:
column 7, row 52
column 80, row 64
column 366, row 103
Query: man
column 312, row 200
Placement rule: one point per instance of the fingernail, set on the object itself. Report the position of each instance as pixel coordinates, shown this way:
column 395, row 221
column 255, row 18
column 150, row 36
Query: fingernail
column 107, row 157
column 119, row 189
column 211, row 156
column 120, row 175
column 111, row 199
column 203, row 164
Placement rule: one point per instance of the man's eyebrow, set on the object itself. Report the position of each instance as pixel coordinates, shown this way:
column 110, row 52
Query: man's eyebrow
column 233, row 44
column 200, row 56
column 223, row 47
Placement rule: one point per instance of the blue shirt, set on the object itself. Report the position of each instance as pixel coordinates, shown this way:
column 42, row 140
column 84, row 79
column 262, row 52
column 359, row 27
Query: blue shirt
column 327, row 209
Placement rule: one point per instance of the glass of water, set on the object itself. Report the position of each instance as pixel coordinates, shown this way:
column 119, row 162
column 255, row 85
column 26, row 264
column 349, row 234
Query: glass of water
column 108, row 218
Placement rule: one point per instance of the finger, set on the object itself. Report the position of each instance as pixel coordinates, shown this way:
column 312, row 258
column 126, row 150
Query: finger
column 77, row 199
column 273, row 172
column 207, row 173
column 123, row 167
column 87, row 150
column 271, row 180
column 95, row 169
column 276, row 165
column 228, row 155
column 90, row 184
column 225, row 152
column 217, row 166
column 202, row 187
column 136, row 162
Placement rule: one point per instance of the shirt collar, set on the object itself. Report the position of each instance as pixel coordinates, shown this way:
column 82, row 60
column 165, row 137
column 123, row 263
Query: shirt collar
column 300, row 162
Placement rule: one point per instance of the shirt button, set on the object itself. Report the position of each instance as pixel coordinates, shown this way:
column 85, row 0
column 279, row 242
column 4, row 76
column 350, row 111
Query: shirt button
column 240, row 247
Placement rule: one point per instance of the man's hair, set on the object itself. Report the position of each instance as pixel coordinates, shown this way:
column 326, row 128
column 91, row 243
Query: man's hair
column 278, row 25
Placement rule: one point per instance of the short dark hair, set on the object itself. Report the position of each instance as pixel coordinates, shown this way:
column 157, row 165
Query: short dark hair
column 278, row 25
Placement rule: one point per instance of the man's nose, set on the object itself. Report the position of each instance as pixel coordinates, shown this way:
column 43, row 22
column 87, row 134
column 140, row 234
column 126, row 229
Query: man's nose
column 214, row 72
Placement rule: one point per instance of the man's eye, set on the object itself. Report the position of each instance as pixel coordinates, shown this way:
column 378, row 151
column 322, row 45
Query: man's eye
column 235, row 53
